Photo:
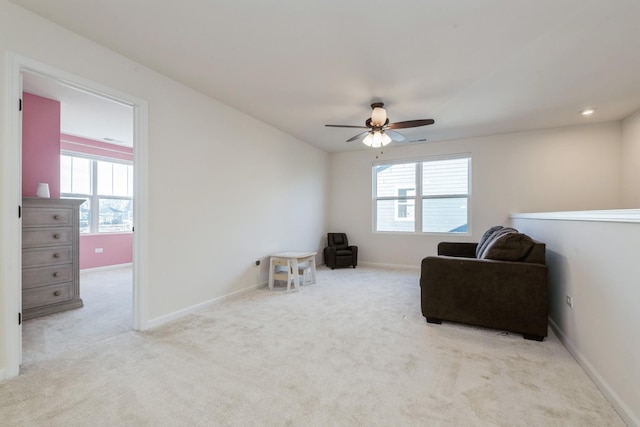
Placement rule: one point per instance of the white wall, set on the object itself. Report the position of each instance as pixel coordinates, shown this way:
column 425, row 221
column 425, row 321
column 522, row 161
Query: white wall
column 596, row 263
column 573, row 168
column 631, row 161
column 224, row 188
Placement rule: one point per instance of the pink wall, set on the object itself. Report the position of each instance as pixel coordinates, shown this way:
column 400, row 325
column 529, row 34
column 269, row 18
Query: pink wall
column 117, row 249
column 40, row 144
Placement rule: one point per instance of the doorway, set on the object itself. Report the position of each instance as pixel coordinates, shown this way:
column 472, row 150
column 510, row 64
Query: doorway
column 81, row 145
column 19, row 68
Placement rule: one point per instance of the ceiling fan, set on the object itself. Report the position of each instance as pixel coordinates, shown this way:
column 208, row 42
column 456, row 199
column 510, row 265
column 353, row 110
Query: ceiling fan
column 379, row 131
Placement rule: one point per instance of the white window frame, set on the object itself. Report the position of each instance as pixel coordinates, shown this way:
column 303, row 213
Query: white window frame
column 406, row 199
column 418, row 198
column 94, row 198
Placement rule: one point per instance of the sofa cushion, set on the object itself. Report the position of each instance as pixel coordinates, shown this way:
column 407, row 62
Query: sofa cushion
column 488, row 237
column 509, row 246
column 484, row 240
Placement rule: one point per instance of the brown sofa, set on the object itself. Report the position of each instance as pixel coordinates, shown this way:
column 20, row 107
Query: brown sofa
column 466, row 284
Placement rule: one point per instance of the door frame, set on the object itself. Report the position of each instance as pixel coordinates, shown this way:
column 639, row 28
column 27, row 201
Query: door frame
column 11, row 227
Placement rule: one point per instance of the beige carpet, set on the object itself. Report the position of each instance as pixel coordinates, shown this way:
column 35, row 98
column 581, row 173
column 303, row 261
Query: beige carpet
column 352, row 350
column 107, row 312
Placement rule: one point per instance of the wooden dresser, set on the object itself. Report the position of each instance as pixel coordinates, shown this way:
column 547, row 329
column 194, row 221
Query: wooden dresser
column 50, row 265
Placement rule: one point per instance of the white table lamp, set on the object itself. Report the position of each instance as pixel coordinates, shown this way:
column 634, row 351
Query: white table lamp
column 43, row 190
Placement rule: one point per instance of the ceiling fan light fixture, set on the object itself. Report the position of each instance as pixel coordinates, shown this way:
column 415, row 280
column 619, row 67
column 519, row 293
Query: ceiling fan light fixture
column 376, row 139
column 378, row 116
column 385, row 139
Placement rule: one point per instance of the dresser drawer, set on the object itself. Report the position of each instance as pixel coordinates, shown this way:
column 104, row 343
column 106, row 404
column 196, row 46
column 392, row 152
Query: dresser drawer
column 46, row 237
column 33, row 277
column 49, row 256
column 47, row 217
column 46, row 295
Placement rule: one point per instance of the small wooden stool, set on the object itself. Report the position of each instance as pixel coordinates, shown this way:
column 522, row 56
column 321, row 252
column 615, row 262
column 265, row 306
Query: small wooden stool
column 281, row 274
column 304, row 271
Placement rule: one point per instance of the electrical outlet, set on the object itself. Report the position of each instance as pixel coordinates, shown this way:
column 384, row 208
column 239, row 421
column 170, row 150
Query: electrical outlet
column 569, row 301
column 99, row 250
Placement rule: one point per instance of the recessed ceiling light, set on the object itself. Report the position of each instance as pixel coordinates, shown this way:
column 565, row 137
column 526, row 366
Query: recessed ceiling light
column 588, row 111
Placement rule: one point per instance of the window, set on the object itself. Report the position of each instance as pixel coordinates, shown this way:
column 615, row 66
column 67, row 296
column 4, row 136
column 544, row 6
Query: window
column 107, row 187
column 405, row 207
column 439, row 206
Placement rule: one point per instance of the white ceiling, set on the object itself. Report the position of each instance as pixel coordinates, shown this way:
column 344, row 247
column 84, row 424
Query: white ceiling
column 476, row 67
column 85, row 114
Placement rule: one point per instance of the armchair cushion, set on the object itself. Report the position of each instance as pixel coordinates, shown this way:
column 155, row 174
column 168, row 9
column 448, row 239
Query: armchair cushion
column 339, row 241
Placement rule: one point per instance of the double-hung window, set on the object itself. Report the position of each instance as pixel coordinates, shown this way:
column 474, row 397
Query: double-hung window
column 107, row 187
column 422, row 196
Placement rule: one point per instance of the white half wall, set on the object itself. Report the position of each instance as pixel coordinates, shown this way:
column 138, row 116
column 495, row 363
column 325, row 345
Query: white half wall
column 596, row 263
column 572, row 168
column 631, row 161
column 225, row 189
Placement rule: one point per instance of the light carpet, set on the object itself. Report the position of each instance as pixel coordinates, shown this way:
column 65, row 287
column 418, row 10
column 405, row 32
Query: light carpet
column 107, row 312
column 351, row 350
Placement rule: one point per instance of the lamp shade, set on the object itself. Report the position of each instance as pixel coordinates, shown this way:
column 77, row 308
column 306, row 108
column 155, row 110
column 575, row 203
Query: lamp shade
column 378, row 116
column 377, row 139
column 43, row 190
column 385, row 139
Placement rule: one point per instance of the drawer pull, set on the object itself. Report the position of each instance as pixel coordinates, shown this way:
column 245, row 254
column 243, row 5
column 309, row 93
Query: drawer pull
column 56, row 255
column 57, row 293
column 56, row 217
column 56, row 236
column 56, row 274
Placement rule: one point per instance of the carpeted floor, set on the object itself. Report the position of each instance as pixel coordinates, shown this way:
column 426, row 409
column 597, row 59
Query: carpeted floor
column 351, row 350
column 107, row 312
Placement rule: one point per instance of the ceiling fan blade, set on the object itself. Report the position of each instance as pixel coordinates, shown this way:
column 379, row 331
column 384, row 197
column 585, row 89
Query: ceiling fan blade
column 346, row 126
column 396, row 136
column 410, row 124
column 358, row 136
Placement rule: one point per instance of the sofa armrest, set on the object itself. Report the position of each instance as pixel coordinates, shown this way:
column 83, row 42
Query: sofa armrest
column 457, row 249
column 497, row 294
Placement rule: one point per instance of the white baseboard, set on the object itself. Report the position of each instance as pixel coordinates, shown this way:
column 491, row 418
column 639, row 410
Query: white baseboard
column 106, row 267
column 621, row 408
column 394, row 266
column 159, row 321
